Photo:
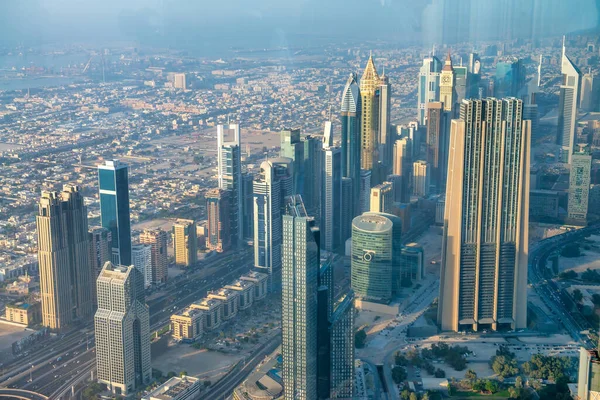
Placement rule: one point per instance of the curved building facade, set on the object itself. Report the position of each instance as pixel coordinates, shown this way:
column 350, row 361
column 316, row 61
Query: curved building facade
column 373, row 259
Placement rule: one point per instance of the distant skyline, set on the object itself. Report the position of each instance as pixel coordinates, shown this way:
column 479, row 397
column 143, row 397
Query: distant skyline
column 213, row 26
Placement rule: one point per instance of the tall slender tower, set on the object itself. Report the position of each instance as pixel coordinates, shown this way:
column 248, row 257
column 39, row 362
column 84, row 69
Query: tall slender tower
column 385, row 140
column 300, row 276
column 579, row 186
column 218, row 206
column 485, row 242
column 122, row 326
column 447, row 92
column 370, row 117
column 351, row 142
column 568, row 104
column 272, row 185
column 429, row 86
column 66, row 283
column 437, row 151
column 185, row 242
column 157, row 238
column 229, row 147
column 331, row 208
column 113, row 181
column 293, row 148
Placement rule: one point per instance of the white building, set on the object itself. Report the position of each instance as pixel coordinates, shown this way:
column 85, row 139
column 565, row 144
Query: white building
column 141, row 257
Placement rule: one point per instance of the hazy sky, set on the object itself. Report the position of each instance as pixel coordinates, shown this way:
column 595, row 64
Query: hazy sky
column 186, row 24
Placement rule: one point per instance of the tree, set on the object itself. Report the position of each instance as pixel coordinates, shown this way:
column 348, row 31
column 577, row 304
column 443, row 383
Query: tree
column 479, row 385
column 399, row 374
column 571, row 250
column 405, row 394
column 413, row 396
column 504, row 366
column 470, row 375
column 183, row 373
column 577, row 295
column 596, row 299
column 440, row 373
column 400, row 360
column 519, row 382
column 570, row 274
column 359, row 339
column 491, row 386
column 451, row 390
column 207, row 383
column 171, row 374
column 512, row 393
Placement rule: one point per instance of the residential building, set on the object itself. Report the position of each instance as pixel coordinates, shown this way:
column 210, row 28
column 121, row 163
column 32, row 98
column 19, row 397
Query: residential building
column 113, row 181
column 341, row 333
column 185, row 242
column 369, row 132
column 412, row 264
column 300, row 274
column 485, row 241
column 260, row 282
column 27, row 314
column 179, row 81
column 122, row 331
column 248, row 206
column 229, row 300
column 187, row 324
column 331, row 207
column 100, row 249
column 218, row 214
column 229, row 168
column 157, row 238
column 141, row 255
column 385, row 141
column 213, row 312
column 66, row 283
column 421, row 178
column 437, row 144
column 176, row 388
column 403, row 167
column 429, row 86
column 293, row 148
column 382, row 198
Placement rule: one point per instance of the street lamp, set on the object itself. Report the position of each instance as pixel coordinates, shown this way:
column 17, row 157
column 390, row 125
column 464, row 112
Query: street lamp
column 31, row 374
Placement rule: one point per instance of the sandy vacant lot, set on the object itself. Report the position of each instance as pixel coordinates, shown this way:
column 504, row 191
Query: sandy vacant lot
column 8, row 335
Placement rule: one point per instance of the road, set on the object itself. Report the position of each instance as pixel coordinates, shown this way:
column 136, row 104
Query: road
column 50, row 377
column 21, row 394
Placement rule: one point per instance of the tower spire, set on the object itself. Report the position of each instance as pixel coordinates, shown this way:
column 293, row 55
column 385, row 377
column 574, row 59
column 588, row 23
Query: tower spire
column 564, row 49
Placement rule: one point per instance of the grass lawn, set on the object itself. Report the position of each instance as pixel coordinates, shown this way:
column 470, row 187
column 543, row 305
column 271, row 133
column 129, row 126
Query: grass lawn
column 501, row 395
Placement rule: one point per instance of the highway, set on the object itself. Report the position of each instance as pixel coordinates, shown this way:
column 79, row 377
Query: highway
column 77, row 356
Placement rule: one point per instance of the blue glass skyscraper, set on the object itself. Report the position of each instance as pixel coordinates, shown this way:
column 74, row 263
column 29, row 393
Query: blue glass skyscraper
column 350, row 116
column 113, row 182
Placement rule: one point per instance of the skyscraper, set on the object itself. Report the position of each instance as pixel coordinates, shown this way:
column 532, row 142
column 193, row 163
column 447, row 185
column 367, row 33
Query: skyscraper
column 313, row 165
column 588, row 386
column 382, row 198
column 300, row 272
column 122, row 327
column 461, row 86
column 403, row 166
column 113, row 181
column 271, row 186
column 347, row 210
column 331, row 208
column 248, row 206
column 385, row 140
column 341, row 333
column 369, row 132
column 351, row 141
column 293, row 148
column 579, row 186
column 229, row 145
column 568, row 104
column 429, row 86
column 218, row 212
column 157, row 238
column 185, row 242
column 375, row 259
column 365, row 190
column 100, row 252
column 447, row 82
column 437, row 140
column 66, row 282
column 485, row 242
column 590, row 92
column 421, row 178
column 509, row 80
column 141, row 255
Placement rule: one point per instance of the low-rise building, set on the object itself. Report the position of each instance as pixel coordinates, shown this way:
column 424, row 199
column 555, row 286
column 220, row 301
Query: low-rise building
column 24, row 313
column 260, row 281
column 246, row 289
column 230, row 301
column 184, row 388
column 212, row 312
column 187, row 324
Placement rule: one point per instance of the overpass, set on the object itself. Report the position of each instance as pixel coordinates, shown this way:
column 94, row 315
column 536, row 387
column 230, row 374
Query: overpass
column 21, row 394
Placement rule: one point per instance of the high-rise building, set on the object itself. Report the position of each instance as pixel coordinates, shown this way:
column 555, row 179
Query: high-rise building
column 412, row 264
column 157, row 238
column 403, row 166
column 313, row 166
column 369, row 132
column 382, row 198
column 218, row 212
column 386, row 138
column 100, row 252
column 509, row 80
column 351, row 142
column 66, row 282
column 141, row 254
column 579, row 186
column 248, row 206
column 447, row 85
column 347, row 209
column 474, row 76
column 122, row 327
column 185, row 242
column 421, row 178
column 271, row 186
column 485, row 241
column 300, row 275
column 100, row 249
column 429, row 86
column 375, row 259
column 461, row 78
column 179, row 81
column 568, row 104
column 113, row 181
column 437, row 144
column 293, row 148
column 590, row 92
column 365, row 190
column 588, row 384
column 229, row 159
column 331, row 208
column 341, row 333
